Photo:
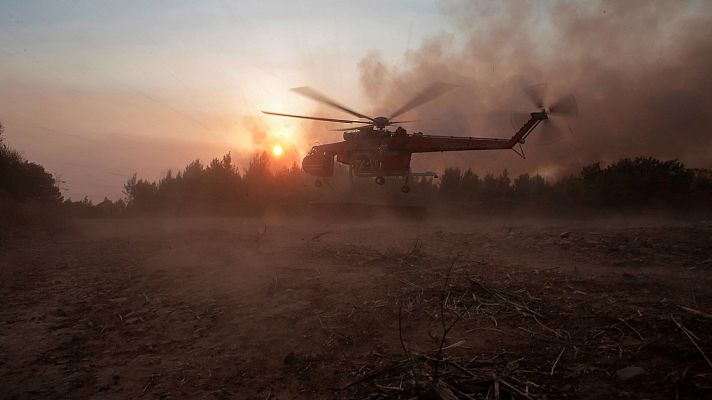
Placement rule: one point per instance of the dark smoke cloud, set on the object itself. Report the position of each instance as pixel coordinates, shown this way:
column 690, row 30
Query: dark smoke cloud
column 640, row 71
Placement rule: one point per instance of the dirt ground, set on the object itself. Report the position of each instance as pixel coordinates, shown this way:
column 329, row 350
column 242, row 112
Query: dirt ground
column 279, row 308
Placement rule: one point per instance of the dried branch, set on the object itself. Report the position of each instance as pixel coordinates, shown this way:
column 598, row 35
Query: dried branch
column 631, row 328
column 692, row 339
column 696, row 312
column 553, row 367
column 400, row 331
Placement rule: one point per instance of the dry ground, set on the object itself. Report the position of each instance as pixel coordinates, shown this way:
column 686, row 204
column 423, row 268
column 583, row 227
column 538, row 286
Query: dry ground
column 221, row 308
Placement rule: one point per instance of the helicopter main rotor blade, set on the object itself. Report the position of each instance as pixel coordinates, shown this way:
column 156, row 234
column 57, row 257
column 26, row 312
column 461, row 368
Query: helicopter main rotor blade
column 402, row 122
column 314, row 95
column 355, row 128
column 433, row 91
column 346, row 121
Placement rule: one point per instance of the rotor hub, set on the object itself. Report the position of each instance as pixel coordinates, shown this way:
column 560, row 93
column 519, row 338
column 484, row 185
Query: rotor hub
column 381, row 122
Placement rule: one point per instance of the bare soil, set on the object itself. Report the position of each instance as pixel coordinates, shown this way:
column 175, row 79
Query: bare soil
column 281, row 308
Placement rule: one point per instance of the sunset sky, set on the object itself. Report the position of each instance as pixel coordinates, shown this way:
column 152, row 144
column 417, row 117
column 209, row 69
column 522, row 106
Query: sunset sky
column 98, row 90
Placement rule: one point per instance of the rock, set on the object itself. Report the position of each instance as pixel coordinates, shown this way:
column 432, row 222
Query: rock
column 564, row 235
column 629, row 372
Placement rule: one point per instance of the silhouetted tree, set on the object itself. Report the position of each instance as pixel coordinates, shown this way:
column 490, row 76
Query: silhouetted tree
column 702, row 186
column 141, row 193
column 470, row 184
column 636, row 182
column 527, row 187
column 21, row 180
column 450, row 183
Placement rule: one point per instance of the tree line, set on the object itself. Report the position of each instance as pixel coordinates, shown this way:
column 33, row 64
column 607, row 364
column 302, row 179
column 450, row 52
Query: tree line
column 220, row 186
column 628, row 184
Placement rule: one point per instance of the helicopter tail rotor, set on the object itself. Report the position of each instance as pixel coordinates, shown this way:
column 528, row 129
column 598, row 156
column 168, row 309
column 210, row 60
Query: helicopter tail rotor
column 560, row 108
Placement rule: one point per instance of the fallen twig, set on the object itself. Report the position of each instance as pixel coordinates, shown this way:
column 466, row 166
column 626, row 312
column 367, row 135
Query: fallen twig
column 696, row 312
column 515, row 389
column 489, row 329
column 553, row 367
column 400, row 332
column 631, row 328
column 375, row 374
column 689, row 336
column 151, row 381
column 559, row 335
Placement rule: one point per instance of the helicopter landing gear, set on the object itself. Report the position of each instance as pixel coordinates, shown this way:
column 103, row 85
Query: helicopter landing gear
column 317, row 183
column 405, row 188
column 380, row 180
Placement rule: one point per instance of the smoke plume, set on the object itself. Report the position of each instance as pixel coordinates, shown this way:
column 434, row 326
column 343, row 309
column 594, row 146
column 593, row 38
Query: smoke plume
column 639, row 70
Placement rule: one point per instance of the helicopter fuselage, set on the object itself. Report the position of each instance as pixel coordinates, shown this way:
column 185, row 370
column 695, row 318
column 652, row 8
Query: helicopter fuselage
column 381, row 153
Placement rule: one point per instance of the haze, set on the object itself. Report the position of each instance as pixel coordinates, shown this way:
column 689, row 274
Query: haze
column 96, row 91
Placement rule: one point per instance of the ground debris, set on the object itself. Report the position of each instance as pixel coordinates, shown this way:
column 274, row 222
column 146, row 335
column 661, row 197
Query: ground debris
column 379, row 311
column 629, row 372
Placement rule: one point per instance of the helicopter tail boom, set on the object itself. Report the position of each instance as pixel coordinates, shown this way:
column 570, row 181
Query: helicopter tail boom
column 429, row 144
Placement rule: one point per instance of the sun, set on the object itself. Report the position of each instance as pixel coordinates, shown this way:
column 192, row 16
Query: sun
column 277, row 150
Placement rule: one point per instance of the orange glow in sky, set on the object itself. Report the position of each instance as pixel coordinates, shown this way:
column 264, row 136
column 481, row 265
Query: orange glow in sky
column 160, row 85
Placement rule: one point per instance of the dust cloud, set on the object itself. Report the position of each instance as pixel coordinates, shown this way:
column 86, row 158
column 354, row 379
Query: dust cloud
column 639, row 71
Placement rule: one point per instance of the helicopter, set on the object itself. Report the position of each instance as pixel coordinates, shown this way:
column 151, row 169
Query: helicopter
column 373, row 151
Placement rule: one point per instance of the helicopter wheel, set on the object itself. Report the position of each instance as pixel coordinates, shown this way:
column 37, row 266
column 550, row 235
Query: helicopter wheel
column 405, row 188
column 380, row 180
column 317, row 183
